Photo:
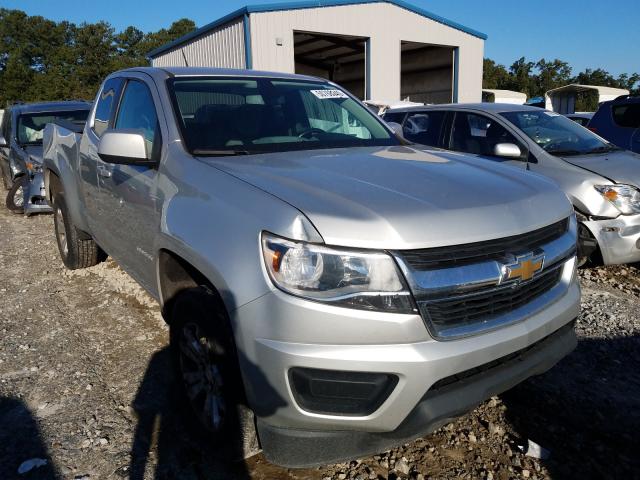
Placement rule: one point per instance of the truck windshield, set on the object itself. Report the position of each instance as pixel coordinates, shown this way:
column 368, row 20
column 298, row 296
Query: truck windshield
column 556, row 134
column 246, row 115
column 31, row 125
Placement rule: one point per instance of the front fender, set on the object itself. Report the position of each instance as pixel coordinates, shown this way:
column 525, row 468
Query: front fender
column 214, row 221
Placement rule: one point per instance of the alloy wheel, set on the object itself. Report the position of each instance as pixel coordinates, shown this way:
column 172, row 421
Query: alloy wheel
column 202, row 377
column 62, row 233
column 18, row 198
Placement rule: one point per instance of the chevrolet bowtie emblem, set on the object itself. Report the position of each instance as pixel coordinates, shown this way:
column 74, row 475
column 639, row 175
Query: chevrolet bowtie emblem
column 524, row 268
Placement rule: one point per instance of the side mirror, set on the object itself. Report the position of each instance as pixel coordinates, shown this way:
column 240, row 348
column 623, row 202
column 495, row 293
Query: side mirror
column 124, row 147
column 397, row 129
column 507, row 150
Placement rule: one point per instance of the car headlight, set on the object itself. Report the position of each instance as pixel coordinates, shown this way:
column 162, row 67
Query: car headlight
column 350, row 278
column 33, row 166
column 625, row 198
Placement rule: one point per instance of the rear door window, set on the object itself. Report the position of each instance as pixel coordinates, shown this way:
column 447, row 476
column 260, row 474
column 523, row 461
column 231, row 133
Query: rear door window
column 424, row 127
column 106, row 102
column 627, row 116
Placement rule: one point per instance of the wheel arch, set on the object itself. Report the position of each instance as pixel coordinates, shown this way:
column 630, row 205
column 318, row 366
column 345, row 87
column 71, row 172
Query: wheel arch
column 64, row 181
column 175, row 275
column 594, row 257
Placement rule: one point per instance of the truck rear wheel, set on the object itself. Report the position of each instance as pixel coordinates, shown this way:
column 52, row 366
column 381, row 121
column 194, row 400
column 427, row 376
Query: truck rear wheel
column 15, row 197
column 75, row 251
column 210, row 378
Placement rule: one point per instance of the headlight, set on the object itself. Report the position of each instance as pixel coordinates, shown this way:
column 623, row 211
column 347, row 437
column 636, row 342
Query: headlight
column 625, row 198
column 348, row 278
column 33, row 166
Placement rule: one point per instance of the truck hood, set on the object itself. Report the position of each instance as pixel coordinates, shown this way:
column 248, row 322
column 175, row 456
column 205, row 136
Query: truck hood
column 620, row 166
column 400, row 197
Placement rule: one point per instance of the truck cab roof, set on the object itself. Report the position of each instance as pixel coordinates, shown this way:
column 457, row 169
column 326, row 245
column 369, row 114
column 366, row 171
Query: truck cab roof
column 169, row 72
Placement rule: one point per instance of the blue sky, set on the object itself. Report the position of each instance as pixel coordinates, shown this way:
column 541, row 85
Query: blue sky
column 585, row 33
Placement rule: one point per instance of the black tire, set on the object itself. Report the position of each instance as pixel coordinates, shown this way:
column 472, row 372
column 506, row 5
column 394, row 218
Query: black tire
column 209, row 374
column 588, row 249
column 15, row 196
column 75, row 251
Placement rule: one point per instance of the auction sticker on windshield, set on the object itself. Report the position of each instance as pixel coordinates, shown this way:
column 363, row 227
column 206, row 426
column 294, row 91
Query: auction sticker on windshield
column 330, row 93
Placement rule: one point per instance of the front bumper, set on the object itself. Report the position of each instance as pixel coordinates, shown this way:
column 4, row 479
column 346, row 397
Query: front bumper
column 618, row 238
column 282, row 332
column 35, row 197
column 298, row 448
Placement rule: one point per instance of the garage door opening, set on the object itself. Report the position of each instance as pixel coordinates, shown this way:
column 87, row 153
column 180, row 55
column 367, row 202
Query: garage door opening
column 339, row 58
column 426, row 73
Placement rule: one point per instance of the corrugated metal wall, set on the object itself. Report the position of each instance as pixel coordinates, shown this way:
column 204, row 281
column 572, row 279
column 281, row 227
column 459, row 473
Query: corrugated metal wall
column 222, row 47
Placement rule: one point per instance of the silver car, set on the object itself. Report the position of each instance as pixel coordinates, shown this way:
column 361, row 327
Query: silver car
column 601, row 180
column 353, row 292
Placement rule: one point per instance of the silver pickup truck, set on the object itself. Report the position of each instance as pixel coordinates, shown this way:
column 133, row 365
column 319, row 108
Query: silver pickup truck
column 350, row 291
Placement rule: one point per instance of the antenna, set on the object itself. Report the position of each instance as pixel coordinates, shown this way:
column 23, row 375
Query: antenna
column 186, row 64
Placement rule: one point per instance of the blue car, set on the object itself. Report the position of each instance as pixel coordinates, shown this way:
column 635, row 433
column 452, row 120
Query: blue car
column 619, row 122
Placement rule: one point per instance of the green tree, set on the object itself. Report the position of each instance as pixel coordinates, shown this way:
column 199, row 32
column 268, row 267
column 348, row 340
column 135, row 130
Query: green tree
column 520, row 77
column 550, row 75
column 45, row 60
column 536, row 78
column 494, row 76
column 154, row 40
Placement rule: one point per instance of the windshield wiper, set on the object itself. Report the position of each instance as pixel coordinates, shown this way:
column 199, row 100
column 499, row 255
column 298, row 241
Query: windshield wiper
column 563, row 153
column 200, row 152
column 604, row 149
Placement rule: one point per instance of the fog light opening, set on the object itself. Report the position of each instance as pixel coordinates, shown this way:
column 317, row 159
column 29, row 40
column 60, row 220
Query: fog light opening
column 334, row 392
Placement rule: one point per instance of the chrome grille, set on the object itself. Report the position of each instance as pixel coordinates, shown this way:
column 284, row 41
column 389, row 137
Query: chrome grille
column 487, row 304
column 467, row 289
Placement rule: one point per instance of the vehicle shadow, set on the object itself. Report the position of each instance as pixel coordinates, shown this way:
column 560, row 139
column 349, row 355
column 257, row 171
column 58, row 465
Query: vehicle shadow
column 20, row 442
column 585, row 411
column 167, row 442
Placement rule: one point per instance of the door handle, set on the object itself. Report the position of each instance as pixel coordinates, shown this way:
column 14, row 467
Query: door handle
column 104, row 171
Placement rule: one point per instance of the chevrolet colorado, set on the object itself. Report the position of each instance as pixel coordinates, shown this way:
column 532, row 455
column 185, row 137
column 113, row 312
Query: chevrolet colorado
column 350, row 291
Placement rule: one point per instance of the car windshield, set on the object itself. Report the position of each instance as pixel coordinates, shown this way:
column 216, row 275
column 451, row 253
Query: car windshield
column 31, row 125
column 225, row 116
column 556, row 134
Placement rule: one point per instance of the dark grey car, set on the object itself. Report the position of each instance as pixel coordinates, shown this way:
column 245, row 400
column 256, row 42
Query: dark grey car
column 21, row 135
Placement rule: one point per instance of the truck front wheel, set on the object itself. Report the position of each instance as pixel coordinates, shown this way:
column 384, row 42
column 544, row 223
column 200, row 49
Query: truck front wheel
column 210, row 379
column 75, row 251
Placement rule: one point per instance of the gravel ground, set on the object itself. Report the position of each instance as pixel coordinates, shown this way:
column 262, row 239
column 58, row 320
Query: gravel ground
column 86, row 385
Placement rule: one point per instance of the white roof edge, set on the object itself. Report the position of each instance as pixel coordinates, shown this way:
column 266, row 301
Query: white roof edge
column 576, row 87
column 505, row 93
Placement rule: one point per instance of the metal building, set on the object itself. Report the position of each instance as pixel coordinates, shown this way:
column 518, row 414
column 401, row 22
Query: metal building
column 377, row 49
